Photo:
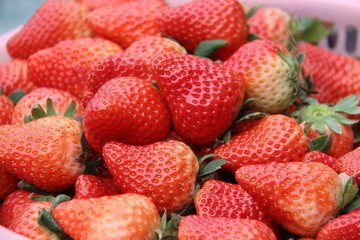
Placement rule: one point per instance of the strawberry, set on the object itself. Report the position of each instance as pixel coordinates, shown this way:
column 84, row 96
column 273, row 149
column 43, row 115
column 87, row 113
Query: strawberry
column 201, row 20
column 8, row 183
column 349, row 164
column 45, row 152
column 147, row 46
column 60, row 99
column 126, row 23
column 134, row 111
column 7, row 109
column 88, row 186
column 334, row 76
column 94, row 4
column 19, row 213
column 345, row 227
column 222, row 199
column 163, row 171
column 302, row 197
column 268, row 75
column 13, row 76
column 196, row 227
column 135, row 61
column 323, row 119
column 203, row 97
column 52, row 23
column 276, row 138
column 317, row 156
column 124, row 216
column 66, row 65
column 272, row 24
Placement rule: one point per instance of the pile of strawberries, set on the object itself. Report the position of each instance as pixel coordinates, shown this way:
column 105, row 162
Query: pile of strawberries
column 131, row 119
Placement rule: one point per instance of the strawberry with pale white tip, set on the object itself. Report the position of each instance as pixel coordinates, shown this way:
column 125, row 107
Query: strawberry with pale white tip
column 270, row 74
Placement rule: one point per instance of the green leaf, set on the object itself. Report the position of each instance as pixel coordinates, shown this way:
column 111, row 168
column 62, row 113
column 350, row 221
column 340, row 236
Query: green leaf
column 313, row 30
column 352, row 205
column 286, row 58
column 350, row 190
column 333, row 125
column 42, row 198
column 305, row 23
column 211, row 167
column 208, row 47
column 50, row 111
column 31, row 188
column 207, row 156
column 38, row 112
column 16, row 96
column 197, row 188
column 322, row 143
column 46, row 220
column 341, row 119
column 253, row 10
column 252, row 37
column 319, row 127
column 347, row 102
column 253, row 115
column 71, row 110
column 28, row 118
column 154, row 83
column 247, row 103
column 164, row 220
column 300, row 57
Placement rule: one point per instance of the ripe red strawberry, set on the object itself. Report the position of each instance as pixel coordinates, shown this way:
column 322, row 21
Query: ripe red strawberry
column 267, row 76
column 13, row 76
column 203, row 97
column 276, row 138
column 45, row 152
column 300, row 196
column 7, row 109
column 163, row 171
column 196, row 227
column 135, row 61
column 317, row 156
column 127, row 109
column 19, row 213
column 222, row 199
column 345, row 227
column 323, row 119
column 66, row 65
column 334, row 76
column 349, row 164
column 272, row 24
column 146, row 47
column 60, row 99
column 8, row 183
column 52, row 23
column 124, row 216
column 202, row 20
column 94, row 4
column 126, row 23
column 88, row 186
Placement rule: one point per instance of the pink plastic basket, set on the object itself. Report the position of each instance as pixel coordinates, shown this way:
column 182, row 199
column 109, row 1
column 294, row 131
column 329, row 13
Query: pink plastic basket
column 344, row 13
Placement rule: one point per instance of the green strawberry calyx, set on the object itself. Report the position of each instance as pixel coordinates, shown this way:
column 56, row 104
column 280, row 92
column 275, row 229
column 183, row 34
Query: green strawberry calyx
column 38, row 112
column 351, row 190
column 325, row 116
column 169, row 227
column 302, row 88
column 46, row 220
